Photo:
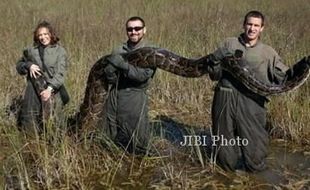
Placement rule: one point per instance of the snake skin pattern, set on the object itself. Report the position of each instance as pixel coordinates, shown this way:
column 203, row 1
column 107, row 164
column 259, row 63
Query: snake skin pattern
column 92, row 109
column 39, row 83
column 168, row 61
column 295, row 77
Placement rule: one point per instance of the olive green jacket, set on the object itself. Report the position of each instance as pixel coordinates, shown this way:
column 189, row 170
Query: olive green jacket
column 260, row 59
column 55, row 60
column 135, row 73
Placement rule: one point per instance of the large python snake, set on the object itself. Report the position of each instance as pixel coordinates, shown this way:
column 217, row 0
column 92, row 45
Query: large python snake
column 92, row 109
column 168, row 61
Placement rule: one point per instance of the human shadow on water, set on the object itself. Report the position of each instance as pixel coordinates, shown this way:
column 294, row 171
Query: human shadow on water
column 182, row 135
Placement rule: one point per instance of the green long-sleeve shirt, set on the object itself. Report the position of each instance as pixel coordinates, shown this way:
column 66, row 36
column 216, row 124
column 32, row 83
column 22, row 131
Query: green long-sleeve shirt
column 127, row 103
column 260, row 59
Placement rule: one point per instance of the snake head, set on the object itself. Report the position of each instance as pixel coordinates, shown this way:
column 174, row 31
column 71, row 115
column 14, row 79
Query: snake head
column 307, row 59
column 39, row 83
column 232, row 57
column 238, row 54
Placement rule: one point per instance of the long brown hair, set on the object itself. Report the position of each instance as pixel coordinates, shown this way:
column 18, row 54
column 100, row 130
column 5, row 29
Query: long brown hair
column 45, row 24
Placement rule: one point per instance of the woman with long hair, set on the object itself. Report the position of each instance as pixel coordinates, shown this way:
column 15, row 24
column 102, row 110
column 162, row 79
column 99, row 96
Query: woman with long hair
column 45, row 61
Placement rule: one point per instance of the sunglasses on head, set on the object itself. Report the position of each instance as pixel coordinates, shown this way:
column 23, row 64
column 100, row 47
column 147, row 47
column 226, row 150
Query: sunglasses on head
column 137, row 28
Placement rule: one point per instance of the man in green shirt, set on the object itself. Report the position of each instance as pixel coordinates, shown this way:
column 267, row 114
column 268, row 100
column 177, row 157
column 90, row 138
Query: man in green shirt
column 238, row 113
column 127, row 103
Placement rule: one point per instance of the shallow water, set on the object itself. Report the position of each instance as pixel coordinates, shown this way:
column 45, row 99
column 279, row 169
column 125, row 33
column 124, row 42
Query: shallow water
column 286, row 163
column 286, row 169
column 287, row 166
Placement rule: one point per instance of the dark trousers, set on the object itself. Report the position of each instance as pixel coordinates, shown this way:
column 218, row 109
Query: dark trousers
column 127, row 119
column 235, row 115
column 35, row 112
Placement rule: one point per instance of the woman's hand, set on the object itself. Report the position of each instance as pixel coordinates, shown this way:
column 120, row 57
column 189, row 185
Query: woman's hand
column 35, row 71
column 46, row 94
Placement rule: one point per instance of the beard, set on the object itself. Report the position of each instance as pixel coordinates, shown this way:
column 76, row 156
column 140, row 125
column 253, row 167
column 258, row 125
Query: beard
column 135, row 40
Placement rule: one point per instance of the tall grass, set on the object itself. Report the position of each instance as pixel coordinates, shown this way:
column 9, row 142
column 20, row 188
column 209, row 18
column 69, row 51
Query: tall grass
column 90, row 29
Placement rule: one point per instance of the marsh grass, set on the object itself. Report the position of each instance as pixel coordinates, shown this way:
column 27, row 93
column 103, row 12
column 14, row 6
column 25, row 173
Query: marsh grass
column 90, row 29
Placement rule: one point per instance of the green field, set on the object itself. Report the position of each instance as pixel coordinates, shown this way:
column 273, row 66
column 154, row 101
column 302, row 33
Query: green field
column 192, row 28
